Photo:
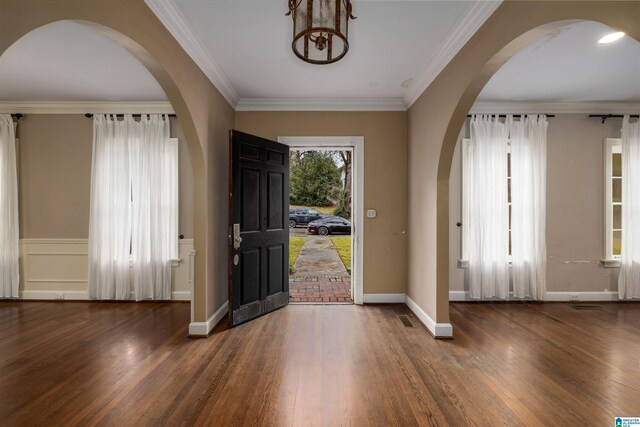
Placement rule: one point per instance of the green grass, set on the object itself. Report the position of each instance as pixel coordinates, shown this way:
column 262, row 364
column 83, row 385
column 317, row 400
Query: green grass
column 327, row 210
column 295, row 245
column 343, row 246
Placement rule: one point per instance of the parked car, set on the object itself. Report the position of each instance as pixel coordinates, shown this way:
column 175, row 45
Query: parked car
column 329, row 225
column 303, row 216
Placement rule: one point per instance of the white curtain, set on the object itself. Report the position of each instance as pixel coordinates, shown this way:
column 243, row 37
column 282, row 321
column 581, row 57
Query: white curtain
column 487, row 207
column 629, row 277
column 528, row 206
column 9, row 232
column 154, row 226
column 110, row 211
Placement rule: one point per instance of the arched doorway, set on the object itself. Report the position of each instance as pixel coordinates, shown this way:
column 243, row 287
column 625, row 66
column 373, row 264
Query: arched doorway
column 436, row 118
column 204, row 115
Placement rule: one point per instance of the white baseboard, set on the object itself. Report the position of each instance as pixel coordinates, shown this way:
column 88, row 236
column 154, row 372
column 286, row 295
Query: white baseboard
column 54, row 295
column 181, row 295
column 438, row 330
column 582, row 296
column 203, row 328
column 384, row 298
column 457, row 296
column 83, row 295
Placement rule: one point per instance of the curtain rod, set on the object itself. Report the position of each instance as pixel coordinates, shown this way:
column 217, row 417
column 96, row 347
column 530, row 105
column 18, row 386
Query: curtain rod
column 604, row 117
column 513, row 115
column 17, row 116
column 135, row 116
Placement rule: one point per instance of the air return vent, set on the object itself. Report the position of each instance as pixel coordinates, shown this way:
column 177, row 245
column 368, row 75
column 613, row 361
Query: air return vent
column 405, row 321
column 586, row 306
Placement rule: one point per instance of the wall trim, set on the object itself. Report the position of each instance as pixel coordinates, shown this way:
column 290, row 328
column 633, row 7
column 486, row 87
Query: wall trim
column 202, row 329
column 582, row 296
column 72, row 107
column 53, row 295
column 316, row 104
column 459, row 296
column 438, row 330
column 499, row 107
column 384, row 298
column 174, row 20
column 457, row 38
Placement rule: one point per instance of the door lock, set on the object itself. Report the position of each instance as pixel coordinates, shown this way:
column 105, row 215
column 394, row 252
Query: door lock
column 236, row 236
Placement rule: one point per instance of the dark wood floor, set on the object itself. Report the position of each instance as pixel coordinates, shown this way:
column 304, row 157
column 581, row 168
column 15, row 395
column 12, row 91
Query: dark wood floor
column 131, row 364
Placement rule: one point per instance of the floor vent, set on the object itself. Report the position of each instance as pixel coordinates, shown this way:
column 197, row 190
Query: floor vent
column 586, row 306
column 405, row 321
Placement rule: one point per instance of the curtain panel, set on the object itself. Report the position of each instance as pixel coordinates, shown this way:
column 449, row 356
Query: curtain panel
column 488, row 213
column 9, row 231
column 486, row 207
column 153, row 201
column 110, row 207
column 629, row 277
column 529, row 206
column 132, row 208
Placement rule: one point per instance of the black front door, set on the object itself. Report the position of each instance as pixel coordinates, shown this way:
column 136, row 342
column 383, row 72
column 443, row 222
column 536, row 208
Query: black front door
column 258, row 224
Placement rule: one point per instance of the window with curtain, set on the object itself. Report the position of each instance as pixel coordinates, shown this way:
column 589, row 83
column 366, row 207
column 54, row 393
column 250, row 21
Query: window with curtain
column 134, row 208
column 629, row 276
column 9, row 232
column 504, row 206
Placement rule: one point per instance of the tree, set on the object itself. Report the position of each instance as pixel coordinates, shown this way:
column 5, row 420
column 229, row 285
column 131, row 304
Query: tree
column 344, row 198
column 315, row 179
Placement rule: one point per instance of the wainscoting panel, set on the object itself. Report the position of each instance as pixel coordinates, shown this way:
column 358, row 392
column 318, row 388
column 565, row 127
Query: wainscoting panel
column 57, row 269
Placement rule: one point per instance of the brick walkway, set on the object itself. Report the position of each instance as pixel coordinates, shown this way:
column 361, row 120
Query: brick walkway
column 320, row 289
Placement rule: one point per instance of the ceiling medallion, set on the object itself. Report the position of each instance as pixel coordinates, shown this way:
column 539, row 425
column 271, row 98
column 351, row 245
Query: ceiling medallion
column 320, row 29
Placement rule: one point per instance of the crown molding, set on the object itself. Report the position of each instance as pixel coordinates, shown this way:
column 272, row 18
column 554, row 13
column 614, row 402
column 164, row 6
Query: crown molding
column 458, row 37
column 497, row 107
column 46, row 107
column 317, row 104
column 174, row 20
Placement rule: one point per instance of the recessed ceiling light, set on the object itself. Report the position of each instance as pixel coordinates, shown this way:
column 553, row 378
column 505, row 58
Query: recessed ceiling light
column 373, row 83
column 610, row 38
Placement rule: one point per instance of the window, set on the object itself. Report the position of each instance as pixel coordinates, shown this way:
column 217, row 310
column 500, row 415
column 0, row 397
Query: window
column 466, row 170
column 613, row 198
column 313, row 212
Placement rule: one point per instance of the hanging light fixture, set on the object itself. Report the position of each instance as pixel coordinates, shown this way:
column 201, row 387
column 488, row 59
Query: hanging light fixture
column 320, row 29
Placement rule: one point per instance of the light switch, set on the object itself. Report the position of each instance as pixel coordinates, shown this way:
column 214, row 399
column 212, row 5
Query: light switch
column 371, row 213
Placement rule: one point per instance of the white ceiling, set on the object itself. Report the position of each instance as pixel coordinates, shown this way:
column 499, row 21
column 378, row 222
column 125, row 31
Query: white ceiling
column 244, row 48
column 66, row 61
column 569, row 65
column 390, row 42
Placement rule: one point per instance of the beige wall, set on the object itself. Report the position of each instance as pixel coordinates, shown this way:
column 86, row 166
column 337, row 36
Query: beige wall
column 436, row 117
column 575, row 206
column 385, row 181
column 55, row 176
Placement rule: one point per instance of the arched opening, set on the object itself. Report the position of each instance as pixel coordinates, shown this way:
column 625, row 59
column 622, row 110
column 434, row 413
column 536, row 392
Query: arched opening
column 436, row 118
column 568, row 75
column 111, row 24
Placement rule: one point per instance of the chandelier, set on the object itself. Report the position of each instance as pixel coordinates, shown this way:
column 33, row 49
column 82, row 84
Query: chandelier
column 320, row 29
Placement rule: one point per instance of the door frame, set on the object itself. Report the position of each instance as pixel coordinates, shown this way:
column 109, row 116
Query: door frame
column 356, row 145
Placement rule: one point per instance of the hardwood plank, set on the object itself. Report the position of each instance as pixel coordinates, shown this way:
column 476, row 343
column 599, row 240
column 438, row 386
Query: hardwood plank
column 509, row 364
